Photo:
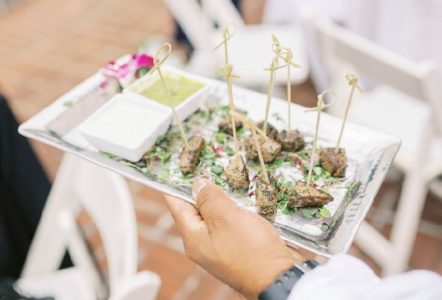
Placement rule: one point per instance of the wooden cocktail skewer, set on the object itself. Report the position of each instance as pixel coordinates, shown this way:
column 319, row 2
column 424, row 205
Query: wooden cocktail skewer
column 227, row 35
column 288, row 59
column 319, row 108
column 227, row 72
column 251, row 125
column 353, row 82
column 158, row 61
column 273, row 67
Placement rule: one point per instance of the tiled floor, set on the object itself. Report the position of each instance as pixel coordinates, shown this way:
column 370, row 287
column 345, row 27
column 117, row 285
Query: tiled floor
column 46, row 47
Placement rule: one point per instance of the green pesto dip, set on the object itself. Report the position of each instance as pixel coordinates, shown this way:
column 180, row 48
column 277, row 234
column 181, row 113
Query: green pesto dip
column 180, row 88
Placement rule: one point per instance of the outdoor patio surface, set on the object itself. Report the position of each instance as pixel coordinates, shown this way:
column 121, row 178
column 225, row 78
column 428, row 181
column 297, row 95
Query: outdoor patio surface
column 47, row 47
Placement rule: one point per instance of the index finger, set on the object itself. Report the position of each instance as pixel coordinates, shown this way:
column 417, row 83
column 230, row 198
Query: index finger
column 186, row 216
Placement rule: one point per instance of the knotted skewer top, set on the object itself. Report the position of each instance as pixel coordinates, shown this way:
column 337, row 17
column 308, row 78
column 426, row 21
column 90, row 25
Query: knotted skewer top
column 227, row 71
column 158, row 60
column 283, row 53
column 321, row 105
column 227, row 35
column 353, row 80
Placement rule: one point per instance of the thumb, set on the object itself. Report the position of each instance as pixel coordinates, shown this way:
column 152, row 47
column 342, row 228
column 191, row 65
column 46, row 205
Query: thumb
column 212, row 203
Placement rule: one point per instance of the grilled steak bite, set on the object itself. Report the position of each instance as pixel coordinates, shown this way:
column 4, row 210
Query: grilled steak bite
column 271, row 131
column 266, row 199
column 334, row 162
column 225, row 125
column 301, row 195
column 236, row 173
column 269, row 149
column 190, row 157
column 291, row 140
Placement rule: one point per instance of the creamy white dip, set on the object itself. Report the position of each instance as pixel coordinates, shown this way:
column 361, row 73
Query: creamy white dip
column 126, row 123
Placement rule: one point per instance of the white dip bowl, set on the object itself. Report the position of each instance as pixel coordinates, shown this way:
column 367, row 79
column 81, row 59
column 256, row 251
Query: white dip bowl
column 127, row 126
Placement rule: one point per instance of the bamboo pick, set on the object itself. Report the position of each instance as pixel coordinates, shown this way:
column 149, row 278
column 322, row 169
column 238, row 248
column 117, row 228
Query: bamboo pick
column 319, row 108
column 289, row 91
column 227, row 72
column 251, row 125
column 273, row 67
column 261, row 159
column 248, row 123
column 227, row 35
column 287, row 58
column 353, row 82
column 158, row 61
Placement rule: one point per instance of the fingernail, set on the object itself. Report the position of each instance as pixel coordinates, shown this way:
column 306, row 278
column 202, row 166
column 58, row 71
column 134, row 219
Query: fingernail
column 198, row 185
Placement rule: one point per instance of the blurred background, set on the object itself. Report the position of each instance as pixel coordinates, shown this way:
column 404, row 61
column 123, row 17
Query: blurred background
column 49, row 46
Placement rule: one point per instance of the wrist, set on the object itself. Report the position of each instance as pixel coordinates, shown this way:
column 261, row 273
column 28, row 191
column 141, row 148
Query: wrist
column 282, row 285
column 267, row 275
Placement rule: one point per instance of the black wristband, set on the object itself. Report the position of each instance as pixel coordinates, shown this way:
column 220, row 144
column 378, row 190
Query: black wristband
column 282, row 286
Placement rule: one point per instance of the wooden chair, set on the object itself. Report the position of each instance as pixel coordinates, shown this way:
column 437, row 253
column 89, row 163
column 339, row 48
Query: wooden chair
column 107, row 200
column 405, row 102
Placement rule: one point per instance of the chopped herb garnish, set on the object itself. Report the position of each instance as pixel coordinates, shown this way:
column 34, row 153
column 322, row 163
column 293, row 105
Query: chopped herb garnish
column 311, row 213
column 220, row 137
column 217, row 169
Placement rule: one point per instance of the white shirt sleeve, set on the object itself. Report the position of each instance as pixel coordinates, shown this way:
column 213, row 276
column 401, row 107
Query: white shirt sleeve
column 345, row 277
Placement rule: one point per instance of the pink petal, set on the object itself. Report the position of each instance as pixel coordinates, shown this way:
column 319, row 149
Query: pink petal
column 144, row 61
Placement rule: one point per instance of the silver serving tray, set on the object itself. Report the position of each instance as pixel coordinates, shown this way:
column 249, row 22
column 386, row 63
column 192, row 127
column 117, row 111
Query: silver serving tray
column 370, row 154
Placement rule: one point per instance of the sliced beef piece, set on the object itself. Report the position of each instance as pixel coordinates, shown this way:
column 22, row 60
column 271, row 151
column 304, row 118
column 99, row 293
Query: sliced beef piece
column 190, row 157
column 271, row 131
column 225, row 125
column 301, row 195
column 266, row 199
column 237, row 174
column 334, row 162
column 269, row 149
column 291, row 140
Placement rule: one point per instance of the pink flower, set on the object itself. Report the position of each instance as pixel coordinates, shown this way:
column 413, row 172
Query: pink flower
column 123, row 72
column 143, row 61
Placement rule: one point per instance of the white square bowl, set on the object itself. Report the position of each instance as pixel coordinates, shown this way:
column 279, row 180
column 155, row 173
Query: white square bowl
column 127, row 126
column 185, row 108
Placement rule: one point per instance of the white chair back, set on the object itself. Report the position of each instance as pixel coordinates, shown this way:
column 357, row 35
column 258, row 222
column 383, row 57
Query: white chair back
column 194, row 21
column 393, row 107
column 106, row 198
column 250, row 51
column 223, row 12
column 342, row 50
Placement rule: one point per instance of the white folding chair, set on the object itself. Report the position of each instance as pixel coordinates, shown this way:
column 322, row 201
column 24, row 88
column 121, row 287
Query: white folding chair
column 250, row 48
column 406, row 103
column 107, row 200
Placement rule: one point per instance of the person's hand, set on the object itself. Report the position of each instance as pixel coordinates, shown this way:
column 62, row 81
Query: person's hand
column 237, row 246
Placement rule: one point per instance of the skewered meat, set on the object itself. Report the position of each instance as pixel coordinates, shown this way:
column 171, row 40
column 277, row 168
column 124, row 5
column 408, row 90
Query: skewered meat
column 291, row 140
column 301, row 195
column 271, row 131
column 266, row 199
column 190, row 156
column 225, row 125
column 334, row 162
column 269, row 149
column 237, row 174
